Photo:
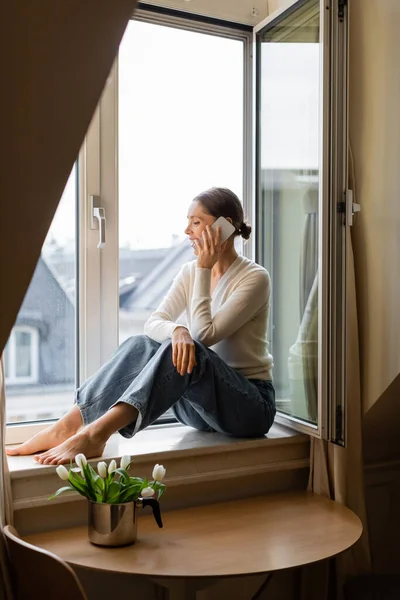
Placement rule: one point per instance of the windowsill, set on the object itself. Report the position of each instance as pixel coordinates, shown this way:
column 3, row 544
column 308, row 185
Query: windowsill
column 194, row 460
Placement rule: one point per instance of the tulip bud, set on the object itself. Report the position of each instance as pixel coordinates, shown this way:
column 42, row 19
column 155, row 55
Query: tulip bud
column 81, row 461
column 112, row 466
column 125, row 461
column 62, row 472
column 102, row 469
column 147, row 492
column 159, row 472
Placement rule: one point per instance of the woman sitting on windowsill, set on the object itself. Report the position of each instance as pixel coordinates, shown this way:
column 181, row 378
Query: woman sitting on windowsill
column 227, row 388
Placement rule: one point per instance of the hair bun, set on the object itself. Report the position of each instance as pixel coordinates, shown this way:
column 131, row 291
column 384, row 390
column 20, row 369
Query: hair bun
column 245, row 231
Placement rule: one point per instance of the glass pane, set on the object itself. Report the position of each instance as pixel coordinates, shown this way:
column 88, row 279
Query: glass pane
column 44, row 353
column 23, row 349
column 182, row 134
column 289, row 133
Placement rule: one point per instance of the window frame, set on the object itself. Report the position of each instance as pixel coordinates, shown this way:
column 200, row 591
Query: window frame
column 333, row 187
column 34, row 355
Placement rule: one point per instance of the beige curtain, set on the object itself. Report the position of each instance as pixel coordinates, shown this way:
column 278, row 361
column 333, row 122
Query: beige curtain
column 6, row 507
column 338, row 472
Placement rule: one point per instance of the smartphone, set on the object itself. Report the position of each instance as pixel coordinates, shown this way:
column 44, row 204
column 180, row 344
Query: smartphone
column 226, row 228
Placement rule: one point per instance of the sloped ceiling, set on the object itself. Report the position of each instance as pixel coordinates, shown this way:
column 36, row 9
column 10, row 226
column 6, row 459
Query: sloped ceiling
column 56, row 58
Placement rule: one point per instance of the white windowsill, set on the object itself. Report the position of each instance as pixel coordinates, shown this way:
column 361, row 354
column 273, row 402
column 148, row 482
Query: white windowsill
column 191, row 458
column 163, row 441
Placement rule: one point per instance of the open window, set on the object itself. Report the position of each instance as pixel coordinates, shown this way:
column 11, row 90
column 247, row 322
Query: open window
column 301, row 130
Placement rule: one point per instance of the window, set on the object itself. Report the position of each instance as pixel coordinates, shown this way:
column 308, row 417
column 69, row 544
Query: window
column 289, row 200
column 301, row 183
column 182, row 134
column 40, row 353
column 21, row 357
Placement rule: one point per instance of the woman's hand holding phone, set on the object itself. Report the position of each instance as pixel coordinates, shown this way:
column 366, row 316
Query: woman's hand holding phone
column 183, row 351
column 209, row 248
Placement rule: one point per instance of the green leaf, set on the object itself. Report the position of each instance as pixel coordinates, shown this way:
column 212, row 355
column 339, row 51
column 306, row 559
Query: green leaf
column 133, row 480
column 88, row 475
column 97, row 480
column 80, row 485
column 161, row 492
column 124, row 476
column 110, row 478
column 113, row 492
column 130, row 492
column 62, row 490
column 158, row 487
column 129, row 497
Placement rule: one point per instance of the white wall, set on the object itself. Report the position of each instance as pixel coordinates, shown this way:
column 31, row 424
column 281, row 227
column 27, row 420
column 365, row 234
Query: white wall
column 375, row 139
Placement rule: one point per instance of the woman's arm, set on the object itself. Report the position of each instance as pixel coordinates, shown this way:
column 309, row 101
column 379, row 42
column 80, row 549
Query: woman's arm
column 250, row 296
column 162, row 323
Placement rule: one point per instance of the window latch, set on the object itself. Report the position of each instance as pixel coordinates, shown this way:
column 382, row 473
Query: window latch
column 351, row 208
column 98, row 219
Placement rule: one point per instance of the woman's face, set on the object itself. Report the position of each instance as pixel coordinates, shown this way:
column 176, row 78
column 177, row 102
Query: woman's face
column 198, row 220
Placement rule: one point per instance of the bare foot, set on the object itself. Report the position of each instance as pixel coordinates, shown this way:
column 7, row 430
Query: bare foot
column 52, row 436
column 85, row 442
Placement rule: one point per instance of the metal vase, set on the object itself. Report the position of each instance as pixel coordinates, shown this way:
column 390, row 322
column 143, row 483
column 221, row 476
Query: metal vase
column 112, row 524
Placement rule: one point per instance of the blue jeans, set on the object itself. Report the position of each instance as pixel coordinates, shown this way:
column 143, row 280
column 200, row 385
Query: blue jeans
column 214, row 397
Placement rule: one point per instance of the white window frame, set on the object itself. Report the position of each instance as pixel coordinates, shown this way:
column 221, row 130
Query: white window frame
column 12, row 378
column 332, row 230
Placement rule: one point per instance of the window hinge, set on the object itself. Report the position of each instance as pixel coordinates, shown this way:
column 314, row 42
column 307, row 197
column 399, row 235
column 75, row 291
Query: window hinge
column 341, row 6
column 351, row 207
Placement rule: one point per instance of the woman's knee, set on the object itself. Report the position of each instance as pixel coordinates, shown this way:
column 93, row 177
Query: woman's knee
column 143, row 340
column 139, row 344
column 202, row 350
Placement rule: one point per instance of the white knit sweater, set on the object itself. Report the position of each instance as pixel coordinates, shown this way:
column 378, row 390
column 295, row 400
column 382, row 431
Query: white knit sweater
column 232, row 322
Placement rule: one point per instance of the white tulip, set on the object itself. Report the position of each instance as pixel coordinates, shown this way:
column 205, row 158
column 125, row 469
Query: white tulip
column 81, row 461
column 147, row 492
column 102, row 469
column 125, row 461
column 62, row 472
column 112, row 466
column 159, row 472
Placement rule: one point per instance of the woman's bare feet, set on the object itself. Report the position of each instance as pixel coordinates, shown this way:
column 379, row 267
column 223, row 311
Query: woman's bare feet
column 52, row 436
column 85, row 442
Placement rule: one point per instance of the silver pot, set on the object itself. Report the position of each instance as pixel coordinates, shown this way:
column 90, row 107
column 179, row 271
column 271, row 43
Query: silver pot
column 116, row 524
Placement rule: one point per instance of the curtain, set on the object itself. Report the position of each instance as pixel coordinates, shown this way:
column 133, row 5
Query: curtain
column 6, row 507
column 337, row 472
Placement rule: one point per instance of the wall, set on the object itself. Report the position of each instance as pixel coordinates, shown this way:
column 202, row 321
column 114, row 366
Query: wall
column 375, row 141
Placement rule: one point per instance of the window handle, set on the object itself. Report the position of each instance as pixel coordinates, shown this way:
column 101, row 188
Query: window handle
column 351, row 208
column 98, row 219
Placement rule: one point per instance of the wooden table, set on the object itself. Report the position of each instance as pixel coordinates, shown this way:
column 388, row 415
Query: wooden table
column 199, row 545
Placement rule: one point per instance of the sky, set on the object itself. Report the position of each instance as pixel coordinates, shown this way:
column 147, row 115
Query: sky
column 180, row 128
